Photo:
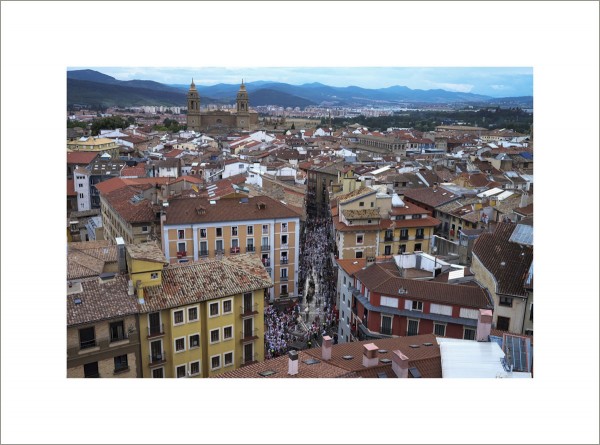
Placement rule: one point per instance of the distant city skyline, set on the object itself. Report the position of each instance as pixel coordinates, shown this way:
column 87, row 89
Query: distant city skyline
column 489, row 81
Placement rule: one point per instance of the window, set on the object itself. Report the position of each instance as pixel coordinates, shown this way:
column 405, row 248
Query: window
column 214, row 309
column 180, row 344
column 250, row 230
column 117, row 331
column 90, row 370
column 265, row 228
column 154, row 276
column 194, row 341
column 144, row 229
column 284, row 240
column 359, row 254
column 180, row 247
column 219, row 232
column 180, row 234
column 361, row 204
column 284, row 272
column 469, row 334
column 121, row 363
column 178, row 317
column 284, row 290
column 387, row 250
column 202, row 233
column 227, row 306
column 503, row 323
column 81, row 195
column 506, row 301
column 417, row 306
column 158, row 373
column 228, row 359
column 87, row 338
column 214, row 336
column 389, row 301
column 439, row 329
column 181, row 371
column 344, row 279
column 418, row 247
column 420, row 233
column 284, row 227
column 227, row 332
column 402, row 249
column 386, row 325
column 215, row 362
column 413, row 327
column 219, row 245
column 372, row 204
column 418, row 216
column 192, row 314
column 203, row 248
column 234, row 231
column 360, row 239
column 80, row 185
column 194, row 368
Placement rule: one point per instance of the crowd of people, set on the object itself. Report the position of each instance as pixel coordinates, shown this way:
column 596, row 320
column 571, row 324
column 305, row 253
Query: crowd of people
column 285, row 326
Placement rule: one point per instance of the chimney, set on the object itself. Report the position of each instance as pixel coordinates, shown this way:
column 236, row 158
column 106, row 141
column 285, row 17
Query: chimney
column 140, row 291
column 400, row 364
column 293, row 362
column 524, row 199
column 121, row 255
column 370, row 355
column 484, row 324
column 326, row 349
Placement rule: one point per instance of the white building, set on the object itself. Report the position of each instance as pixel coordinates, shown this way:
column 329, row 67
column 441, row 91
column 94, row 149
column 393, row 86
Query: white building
column 82, row 188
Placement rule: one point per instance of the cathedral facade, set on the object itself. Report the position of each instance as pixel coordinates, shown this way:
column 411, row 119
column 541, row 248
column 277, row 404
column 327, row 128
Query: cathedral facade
column 242, row 118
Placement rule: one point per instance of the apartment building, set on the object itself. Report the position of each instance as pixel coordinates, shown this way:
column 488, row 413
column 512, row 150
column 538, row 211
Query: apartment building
column 195, row 229
column 198, row 319
column 102, row 330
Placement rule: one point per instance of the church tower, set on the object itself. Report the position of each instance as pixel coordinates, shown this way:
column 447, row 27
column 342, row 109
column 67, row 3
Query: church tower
column 193, row 108
column 242, row 99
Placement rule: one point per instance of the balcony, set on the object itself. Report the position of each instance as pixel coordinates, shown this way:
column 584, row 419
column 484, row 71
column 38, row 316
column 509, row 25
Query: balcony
column 157, row 359
column 284, row 295
column 120, row 337
column 248, row 310
column 88, row 344
column 386, row 331
column 403, row 237
column 266, row 262
column 283, row 260
column 265, row 248
column 388, row 238
column 250, row 249
column 283, row 278
column 246, row 336
column 249, row 360
column 420, row 236
column 204, row 252
column 284, row 246
column 156, row 330
column 181, row 254
column 121, row 370
column 219, row 251
column 234, row 250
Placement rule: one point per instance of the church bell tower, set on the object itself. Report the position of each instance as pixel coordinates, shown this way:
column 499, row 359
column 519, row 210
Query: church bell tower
column 193, row 108
column 242, row 99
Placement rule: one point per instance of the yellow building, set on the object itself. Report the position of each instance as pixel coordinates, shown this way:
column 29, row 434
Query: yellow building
column 94, row 144
column 369, row 224
column 198, row 319
column 195, row 229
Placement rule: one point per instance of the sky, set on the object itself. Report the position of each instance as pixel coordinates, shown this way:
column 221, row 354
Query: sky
column 489, row 81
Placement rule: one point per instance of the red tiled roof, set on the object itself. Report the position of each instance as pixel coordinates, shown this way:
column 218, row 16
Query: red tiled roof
column 113, row 184
column 173, row 153
column 132, row 212
column 184, row 211
column 508, row 262
column 385, row 279
column 351, row 266
column 138, row 171
column 430, row 196
column 81, row 157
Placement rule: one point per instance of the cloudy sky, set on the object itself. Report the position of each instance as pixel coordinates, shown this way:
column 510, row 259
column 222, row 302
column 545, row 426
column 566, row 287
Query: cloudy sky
column 496, row 82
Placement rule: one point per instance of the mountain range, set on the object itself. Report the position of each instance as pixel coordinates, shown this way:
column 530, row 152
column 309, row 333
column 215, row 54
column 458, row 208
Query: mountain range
column 89, row 87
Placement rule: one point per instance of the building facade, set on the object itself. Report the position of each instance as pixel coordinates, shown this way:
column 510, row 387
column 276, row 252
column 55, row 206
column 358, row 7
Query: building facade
column 195, row 229
column 242, row 118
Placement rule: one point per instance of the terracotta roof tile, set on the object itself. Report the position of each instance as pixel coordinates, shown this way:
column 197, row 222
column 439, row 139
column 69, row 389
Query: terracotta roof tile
column 205, row 280
column 100, row 301
column 184, row 211
column 385, row 278
column 149, row 251
column 508, row 262
column 81, row 157
column 430, row 196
